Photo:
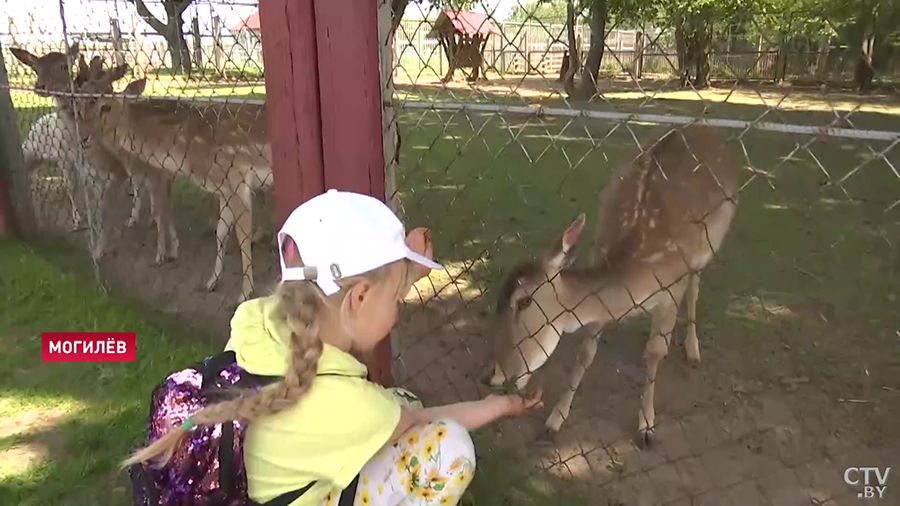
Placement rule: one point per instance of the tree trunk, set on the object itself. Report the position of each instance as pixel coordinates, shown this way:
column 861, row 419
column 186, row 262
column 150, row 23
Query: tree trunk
column 861, row 44
column 822, row 58
column 174, row 35
column 595, row 53
column 864, row 71
column 572, row 62
column 703, row 36
column 681, row 50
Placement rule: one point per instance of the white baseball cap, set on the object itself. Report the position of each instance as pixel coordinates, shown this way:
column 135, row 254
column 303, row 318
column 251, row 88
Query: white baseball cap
column 340, row 234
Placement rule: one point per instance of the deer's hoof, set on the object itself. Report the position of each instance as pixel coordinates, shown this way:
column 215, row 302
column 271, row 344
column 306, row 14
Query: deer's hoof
column 211, row 284
column 647, row 438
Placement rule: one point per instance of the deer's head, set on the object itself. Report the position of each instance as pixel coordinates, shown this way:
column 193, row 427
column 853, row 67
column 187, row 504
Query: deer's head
column 54, row 69
column 530, row 314
column 96, row 112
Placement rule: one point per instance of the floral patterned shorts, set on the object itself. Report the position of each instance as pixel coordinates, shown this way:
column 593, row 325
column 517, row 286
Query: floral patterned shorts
column 432, row 464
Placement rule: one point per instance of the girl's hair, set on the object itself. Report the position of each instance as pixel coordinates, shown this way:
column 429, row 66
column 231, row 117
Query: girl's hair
column 299, row 303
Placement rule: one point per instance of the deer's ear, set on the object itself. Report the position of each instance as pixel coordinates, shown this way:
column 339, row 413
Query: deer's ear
column 117, row 72
column 23, row 56
column 556, row 259
column 136, row 87
column 570, row 236
column 73, row 50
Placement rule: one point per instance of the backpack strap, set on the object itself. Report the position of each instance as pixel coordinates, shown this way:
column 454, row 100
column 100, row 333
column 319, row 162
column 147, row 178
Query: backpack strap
column 210, row 368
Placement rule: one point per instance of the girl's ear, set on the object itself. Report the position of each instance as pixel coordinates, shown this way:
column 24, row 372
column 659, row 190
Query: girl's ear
column 291, row 255
column 358, row 294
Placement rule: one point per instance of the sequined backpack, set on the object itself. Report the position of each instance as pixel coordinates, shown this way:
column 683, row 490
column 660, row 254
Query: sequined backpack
column 208, row 468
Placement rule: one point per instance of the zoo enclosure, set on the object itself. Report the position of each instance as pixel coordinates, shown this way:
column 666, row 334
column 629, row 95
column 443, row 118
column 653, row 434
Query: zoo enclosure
column 462, row 146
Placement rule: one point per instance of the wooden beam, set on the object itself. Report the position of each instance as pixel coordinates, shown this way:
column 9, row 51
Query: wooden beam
column 292, row 102
column 350, row 101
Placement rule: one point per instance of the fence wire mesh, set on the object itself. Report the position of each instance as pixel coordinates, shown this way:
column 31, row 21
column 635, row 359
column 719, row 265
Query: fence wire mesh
column 504, row 137
column 507, row 136
column 159, row 186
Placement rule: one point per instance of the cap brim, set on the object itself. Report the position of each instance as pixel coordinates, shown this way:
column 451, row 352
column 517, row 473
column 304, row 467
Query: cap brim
column 422, row 260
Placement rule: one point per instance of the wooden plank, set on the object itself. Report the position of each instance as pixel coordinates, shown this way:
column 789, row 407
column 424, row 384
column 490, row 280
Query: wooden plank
column 350, row 95
column 292, row 102
column 351, row 106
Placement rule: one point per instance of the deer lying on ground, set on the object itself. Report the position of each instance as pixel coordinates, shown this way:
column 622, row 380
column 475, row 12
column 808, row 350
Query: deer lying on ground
column 223, row 148
column 53, row 75
column 662, row 217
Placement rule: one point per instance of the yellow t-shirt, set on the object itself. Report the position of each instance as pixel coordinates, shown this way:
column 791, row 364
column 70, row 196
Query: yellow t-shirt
column 329, row 435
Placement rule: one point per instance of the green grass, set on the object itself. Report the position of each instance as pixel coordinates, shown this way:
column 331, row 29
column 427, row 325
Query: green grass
column 101, row 406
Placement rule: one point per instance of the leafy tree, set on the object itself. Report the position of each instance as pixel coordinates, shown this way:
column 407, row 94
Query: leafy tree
column 171, row 29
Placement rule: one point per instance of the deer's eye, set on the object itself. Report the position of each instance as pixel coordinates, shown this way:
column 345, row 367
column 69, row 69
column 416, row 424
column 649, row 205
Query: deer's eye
column 105, row 108
column 523, row 303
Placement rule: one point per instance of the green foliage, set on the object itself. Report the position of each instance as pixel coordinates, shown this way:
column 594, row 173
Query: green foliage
column 546, row 11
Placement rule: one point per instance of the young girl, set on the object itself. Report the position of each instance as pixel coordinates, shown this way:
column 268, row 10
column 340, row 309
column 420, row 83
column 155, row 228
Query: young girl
column 325, row 429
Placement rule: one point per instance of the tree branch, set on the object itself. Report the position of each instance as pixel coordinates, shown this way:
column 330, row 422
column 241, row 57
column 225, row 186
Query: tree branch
column 148, row 16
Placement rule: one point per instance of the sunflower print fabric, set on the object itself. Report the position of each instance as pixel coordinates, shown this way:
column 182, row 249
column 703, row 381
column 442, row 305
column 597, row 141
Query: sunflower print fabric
column 431, row 464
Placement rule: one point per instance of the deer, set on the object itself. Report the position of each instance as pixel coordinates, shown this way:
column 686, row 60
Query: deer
column 54, row 77
column 222, row 148
column 661, row 219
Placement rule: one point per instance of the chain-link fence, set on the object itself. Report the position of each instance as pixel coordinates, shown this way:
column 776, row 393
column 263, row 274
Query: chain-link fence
column 795, row 192
column 788, row 207
column 157, row 187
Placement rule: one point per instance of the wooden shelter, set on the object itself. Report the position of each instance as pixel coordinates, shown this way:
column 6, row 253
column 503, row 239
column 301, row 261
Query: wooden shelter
column 463, row 35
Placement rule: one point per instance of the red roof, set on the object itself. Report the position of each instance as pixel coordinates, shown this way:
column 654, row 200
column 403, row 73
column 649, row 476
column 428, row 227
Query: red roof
column 471, row 23
column 252, row 23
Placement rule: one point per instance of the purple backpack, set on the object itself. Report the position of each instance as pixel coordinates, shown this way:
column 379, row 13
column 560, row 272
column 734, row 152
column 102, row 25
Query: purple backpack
column 208, row 469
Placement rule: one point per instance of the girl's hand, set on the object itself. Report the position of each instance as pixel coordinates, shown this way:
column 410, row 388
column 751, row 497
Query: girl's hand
column 517, row 405
column 419, row 240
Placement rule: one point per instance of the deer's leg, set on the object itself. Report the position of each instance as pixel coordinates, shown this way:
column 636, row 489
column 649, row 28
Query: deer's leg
column 692, row 344
column 223, row 227
column 585, row 358
column 665, row 314
column 166, row 182
column 165, row 233
column 244, row 232
column 137, row 181
column 104, row 192
column 70, row 179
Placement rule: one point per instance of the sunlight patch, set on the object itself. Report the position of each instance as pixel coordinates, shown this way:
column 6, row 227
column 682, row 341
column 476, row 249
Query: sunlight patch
column 454, row 282
column 33, row 420
column 18, row 459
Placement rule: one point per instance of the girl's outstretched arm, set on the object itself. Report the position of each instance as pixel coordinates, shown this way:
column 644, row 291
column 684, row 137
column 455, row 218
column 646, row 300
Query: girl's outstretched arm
column 472, row 414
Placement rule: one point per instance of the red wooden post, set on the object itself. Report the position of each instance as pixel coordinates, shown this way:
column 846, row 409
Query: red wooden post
column 323, row 98
column 350, row 101
column 292, row 102
column 350, row 95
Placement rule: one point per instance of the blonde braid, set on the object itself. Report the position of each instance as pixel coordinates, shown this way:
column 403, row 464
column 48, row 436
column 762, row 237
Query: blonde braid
column 298, row 303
